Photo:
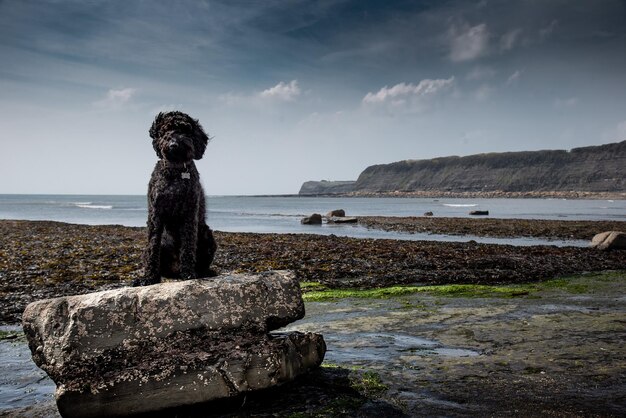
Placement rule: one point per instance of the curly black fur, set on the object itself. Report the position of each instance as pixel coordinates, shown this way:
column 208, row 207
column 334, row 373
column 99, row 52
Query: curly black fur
column 180, row 243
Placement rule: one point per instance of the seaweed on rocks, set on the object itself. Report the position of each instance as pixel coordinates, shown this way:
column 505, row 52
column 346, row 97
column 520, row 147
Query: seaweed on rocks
column 493, row 227
column 43, row 259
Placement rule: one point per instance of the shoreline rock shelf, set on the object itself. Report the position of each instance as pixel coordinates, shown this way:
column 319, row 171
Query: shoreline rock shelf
column 138, row 350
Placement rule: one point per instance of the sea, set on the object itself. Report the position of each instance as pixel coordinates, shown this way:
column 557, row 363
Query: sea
column 282, row 214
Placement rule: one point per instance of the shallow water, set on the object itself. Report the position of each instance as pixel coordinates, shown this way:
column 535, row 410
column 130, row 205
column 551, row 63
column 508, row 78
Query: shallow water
column 366, row 347
column 283, row 214
column 437, row 353
column 22, row 383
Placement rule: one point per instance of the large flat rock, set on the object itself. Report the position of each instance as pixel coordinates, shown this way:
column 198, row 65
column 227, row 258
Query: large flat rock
column 203, row 376
column 144, row 349
column 80, row 328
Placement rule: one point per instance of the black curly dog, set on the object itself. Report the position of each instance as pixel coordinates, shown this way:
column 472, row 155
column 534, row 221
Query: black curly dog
column 180, row 243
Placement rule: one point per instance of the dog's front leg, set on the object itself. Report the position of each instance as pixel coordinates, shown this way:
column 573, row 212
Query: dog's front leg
column 152, row 272
column 189, row 244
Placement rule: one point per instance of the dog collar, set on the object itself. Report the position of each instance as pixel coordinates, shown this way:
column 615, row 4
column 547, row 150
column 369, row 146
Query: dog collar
column 185, row 174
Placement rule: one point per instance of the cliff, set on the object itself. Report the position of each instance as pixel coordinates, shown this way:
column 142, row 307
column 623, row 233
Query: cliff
column 326, row 187
column 588, row 169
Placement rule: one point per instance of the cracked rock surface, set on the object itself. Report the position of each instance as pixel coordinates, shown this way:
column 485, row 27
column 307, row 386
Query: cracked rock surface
column 136, row 350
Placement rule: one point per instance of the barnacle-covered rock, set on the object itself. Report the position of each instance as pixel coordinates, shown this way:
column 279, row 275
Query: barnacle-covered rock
column 144, row 349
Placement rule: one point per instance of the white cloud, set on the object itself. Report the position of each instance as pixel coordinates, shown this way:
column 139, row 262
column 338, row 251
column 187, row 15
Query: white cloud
column 408, row 98
column 282, row 91
column 509, row 39
column 514, row 77
column 116, row 98
column 400, row 92
column 565, row 103
column 468, row 43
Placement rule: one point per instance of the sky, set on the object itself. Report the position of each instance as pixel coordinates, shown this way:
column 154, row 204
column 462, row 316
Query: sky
column 298, row 90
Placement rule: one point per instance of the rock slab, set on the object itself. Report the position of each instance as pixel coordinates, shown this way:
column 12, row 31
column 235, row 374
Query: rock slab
column 609, row 240
column 137, row 350
column 343, row 220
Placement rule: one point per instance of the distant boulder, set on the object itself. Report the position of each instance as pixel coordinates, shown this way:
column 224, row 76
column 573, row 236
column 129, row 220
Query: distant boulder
column 336, row 212
column 315, row 219
column 479, row 213
column 610, row 240
column 429, row 213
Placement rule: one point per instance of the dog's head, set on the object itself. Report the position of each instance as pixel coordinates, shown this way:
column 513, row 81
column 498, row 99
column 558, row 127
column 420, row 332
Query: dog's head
column 178, row 137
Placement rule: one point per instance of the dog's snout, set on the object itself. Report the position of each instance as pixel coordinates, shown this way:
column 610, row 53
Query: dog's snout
column 172, row 145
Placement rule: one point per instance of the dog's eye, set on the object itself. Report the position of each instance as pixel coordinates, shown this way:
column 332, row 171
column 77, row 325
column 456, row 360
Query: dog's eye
column 179, row 127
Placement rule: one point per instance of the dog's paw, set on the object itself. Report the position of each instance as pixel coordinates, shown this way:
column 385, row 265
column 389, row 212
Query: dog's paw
column 144, row 281
column 188, row 276
column 211, row 273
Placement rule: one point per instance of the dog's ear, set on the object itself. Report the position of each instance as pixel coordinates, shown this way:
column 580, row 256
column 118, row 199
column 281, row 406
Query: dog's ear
column 200, row 140
column 154, row 132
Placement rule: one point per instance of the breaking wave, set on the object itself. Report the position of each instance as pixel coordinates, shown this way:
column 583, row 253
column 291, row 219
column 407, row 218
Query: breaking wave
column 90, row 206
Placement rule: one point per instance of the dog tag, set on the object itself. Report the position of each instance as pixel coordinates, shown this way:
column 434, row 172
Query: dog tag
column 185, row 176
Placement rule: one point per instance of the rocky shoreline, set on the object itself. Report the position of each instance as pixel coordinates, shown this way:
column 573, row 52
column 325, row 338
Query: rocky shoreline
column 43, row 259
column 479, row 194
column 493, row 227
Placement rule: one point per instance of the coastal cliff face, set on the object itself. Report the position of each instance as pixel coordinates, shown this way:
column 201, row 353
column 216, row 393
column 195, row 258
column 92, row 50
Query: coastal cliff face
column 587, row 169
column 326, row 187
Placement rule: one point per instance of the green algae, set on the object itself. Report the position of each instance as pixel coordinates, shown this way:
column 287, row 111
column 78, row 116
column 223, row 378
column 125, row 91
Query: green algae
column 310, row 286
column 455, row 290
column 369, row 384
column 574, row 285
column 341, row 406
column 10, row 335
column 360, row 387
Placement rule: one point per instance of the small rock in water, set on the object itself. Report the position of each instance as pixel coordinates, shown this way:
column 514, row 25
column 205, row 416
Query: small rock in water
column 315, row 219
column 336, row 212
column 343, row 220
column 429, row 213
column 144, row 349
column 479, row 212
